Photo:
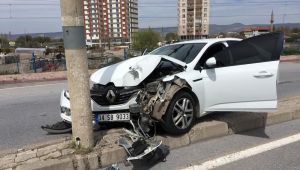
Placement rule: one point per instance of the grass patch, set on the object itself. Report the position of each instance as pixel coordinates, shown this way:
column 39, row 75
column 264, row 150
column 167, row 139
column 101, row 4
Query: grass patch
column 80, row 150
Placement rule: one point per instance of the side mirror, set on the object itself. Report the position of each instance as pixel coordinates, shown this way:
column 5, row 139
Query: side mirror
column 211, row 62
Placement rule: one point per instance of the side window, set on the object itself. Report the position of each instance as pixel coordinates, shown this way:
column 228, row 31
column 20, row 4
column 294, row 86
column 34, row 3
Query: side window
column 210, row 52
column 230, row 43
column 223, row 59
column 257, row 49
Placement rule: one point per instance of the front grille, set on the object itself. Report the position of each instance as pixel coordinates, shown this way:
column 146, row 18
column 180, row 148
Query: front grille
column 99, row 93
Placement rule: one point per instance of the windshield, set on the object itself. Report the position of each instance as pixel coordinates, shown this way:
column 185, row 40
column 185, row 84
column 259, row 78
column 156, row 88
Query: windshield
column 183, row 52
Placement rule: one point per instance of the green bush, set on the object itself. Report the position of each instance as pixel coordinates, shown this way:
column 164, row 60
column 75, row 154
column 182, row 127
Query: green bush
column 291, row 52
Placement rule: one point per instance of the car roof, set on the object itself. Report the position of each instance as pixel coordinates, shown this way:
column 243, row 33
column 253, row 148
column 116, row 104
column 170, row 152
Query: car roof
column 209, row 41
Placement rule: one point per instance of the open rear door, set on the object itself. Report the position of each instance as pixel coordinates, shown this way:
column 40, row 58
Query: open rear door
column 245, row 77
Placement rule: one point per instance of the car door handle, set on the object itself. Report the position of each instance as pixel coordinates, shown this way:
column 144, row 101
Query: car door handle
column 263, row 74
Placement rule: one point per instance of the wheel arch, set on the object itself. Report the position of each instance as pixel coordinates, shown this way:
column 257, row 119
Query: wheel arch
column 188, row 90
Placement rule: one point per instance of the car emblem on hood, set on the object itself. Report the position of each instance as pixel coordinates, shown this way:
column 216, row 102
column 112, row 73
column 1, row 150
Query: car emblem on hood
column 110, row 96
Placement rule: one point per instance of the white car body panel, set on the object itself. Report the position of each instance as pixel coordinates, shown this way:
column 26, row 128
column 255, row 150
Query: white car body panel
column 64, row 101
column 240, row 88
column 127, row 73
column 130, row 72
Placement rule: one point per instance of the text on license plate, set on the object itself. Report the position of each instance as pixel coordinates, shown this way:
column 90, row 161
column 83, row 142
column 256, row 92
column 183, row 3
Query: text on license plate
column 114, row 117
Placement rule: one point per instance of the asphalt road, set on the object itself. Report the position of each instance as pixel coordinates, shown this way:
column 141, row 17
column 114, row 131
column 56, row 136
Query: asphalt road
column 25, row 107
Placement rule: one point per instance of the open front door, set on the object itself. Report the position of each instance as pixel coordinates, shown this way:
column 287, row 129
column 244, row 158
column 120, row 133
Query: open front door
column 245, row 77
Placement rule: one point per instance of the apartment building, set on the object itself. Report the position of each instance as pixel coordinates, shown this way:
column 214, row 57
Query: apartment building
column 110, row 22
column 193, row 19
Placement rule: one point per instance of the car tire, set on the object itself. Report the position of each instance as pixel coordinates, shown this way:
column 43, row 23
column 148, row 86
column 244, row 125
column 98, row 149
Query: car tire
column 180, row 114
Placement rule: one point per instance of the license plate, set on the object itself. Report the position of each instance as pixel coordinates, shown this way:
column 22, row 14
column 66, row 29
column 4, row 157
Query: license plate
column 114, row 117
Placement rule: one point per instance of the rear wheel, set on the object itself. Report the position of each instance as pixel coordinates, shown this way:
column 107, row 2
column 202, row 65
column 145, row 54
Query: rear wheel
column 180, row 114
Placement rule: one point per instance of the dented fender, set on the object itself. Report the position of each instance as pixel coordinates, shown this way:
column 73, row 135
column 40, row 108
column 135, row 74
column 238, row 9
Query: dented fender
column 156, row 105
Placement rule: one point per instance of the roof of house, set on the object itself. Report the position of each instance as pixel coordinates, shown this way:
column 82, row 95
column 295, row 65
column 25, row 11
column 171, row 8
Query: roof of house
column 258, row 28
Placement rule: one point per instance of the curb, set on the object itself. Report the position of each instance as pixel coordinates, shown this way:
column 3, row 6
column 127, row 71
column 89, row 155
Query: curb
column 291, row 58
column 107, row 153
column 34, row 146
column 32, row 81
column 40, row 77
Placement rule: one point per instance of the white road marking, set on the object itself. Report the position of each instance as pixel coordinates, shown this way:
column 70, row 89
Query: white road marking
column 40, row 85
column 211, row 164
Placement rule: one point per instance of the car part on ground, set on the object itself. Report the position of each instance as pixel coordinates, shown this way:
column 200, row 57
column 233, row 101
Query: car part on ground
column 113, row 167
column 58, row 128
column 139, row 144
column 63, row 127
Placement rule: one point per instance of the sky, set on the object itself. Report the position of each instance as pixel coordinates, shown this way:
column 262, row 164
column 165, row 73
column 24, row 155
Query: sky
column 152, row 13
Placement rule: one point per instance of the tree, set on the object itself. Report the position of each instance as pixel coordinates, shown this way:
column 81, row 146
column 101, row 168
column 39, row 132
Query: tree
column 145, row 40
column 4, row 42
column 296, row 30
column 24, row 41
column 30, row 42
column 42, row 40
column 171, row 37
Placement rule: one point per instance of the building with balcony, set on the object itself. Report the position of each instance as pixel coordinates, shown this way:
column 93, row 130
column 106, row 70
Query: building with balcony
column 110, row 22
column 193, row 19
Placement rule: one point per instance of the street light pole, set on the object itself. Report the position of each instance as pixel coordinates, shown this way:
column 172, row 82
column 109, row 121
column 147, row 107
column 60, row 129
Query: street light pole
column 77, row 70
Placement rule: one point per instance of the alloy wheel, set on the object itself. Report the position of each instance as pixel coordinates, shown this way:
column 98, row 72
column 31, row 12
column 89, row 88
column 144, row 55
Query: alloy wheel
column 183, row 113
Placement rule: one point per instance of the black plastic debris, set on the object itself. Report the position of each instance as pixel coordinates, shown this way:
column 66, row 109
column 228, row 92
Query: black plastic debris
column 113, row 167
column 138, row 147
column 159, row 155
column 58, row 128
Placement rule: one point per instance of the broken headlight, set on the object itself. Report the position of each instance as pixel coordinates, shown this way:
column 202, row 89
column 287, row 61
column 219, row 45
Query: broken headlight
column 67, row 94
column 65, row 110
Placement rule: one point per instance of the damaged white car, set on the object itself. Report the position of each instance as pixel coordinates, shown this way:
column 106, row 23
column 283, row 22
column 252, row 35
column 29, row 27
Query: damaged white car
column 178, row 83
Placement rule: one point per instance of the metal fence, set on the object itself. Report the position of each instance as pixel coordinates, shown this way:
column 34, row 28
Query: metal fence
column 47, row 65
column 15, row 65
column 33, row 66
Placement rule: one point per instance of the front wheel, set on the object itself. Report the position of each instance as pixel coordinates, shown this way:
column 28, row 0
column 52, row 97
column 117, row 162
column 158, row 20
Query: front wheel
column 180, row 114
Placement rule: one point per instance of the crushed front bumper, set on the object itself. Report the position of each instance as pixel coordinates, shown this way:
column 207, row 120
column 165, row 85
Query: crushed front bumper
column 65, row 112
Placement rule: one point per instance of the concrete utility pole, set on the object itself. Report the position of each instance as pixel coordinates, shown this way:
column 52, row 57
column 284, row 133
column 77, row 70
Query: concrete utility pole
column 77, row 66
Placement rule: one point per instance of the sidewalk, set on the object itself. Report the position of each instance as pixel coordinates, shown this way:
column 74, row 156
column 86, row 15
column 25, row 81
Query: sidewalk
column 61, row 75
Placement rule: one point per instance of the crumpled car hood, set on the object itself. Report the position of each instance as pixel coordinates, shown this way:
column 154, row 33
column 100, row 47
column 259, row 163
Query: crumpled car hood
column 130, row 72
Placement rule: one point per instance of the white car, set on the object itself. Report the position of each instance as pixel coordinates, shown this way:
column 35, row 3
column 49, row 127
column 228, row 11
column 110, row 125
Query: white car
column 219, row 75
